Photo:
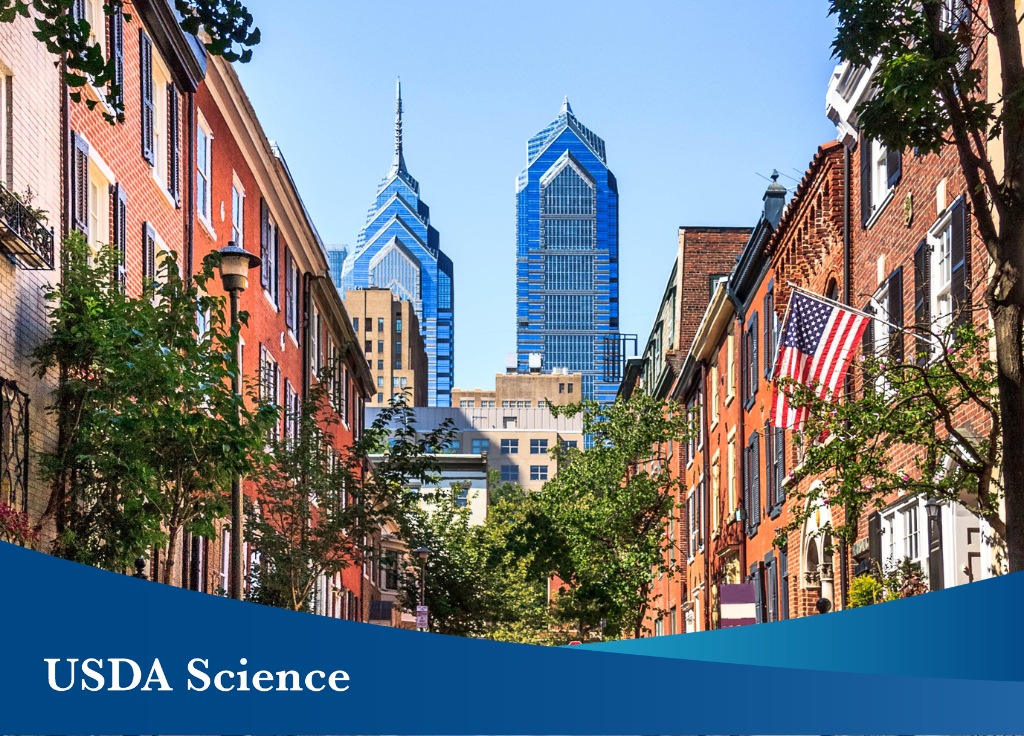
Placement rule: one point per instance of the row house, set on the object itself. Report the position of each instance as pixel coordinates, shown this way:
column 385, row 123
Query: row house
column 186, row 171
column 30, row 227
column 889, row 233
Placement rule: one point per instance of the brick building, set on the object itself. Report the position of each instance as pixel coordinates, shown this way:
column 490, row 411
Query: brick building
column 523, row 390
column 30, row 164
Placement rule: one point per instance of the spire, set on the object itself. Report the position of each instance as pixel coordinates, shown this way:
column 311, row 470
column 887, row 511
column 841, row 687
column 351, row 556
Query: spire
column 399, row 163
column 566, row 109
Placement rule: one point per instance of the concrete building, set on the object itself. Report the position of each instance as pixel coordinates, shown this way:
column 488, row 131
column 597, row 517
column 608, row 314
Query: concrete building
column 521, row 444
column 388, row 332
column 515, row 390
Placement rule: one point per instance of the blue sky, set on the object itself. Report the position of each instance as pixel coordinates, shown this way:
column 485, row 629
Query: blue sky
column 693, row 99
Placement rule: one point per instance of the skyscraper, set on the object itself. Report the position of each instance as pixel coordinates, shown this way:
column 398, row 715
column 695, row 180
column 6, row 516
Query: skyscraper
column 398, row 249
column 567, row 254
column 336, row 255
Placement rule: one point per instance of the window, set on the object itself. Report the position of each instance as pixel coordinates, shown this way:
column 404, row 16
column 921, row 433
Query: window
column 714, row 280
column 911, row 533
column 750, row 367
column 510, row 447
column 237, row 212
column 774, row 467
column 398, row 325
column 380, row 324
column 368, row 347
column 887, row 308
column 880, row 171
column 672, row 621
column 571, row 443
column 270, row 276
column 713, row 380
column 380, row 398
column 538, row 447
column 715, row 491
column 691, row 418
column 672, row 542
column 561, row 388
column 380, row 363
column 398, row 353
column 731, row 489
column 538, row 472
column 380, row 346
column 402, row 382
column 510, row 473
column 947, row 294
column 164, row 102
column 380, row 381
column 730, row 369
column 369, row 324
column 355, row 324
column 14, row 449
column 204, row 141
column 270, row 382
column 569, row 388
column 479, row 445
column 659, row 627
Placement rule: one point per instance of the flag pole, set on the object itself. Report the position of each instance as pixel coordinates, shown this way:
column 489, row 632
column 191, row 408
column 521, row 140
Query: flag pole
column 847, row 308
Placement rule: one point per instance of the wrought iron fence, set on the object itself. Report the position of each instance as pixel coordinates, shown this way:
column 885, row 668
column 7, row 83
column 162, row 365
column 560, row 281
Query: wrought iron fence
column 13, row 445
column 24, row 239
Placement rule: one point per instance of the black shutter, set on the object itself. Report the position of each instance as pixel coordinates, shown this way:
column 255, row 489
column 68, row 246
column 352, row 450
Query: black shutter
column 865, row 180
column 867, row 348
column 875, row 538
column 148, row 251
column 700, row 514
column 757, row 578
column 960, row 255
column 769, row 347
column 962, row 16
column 80, row 185
column 275, row 273
column 289, row 314
column 147, row 110
column 116, row 21
column 264, row 244
column 747, row 506
column 784, row 587
column 753, row 357
column 922, row 302
column 744, row 363
column 895, row 308
column 174, row 143
column 772, row 586
column 769, row 470
column 780, row 465
column 893, row 166
column 755, row 479
column 119, row 232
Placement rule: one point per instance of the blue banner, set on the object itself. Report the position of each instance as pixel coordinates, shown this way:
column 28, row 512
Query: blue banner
column 149, row 658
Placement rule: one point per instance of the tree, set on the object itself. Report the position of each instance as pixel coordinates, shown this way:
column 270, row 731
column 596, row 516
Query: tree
column 600, row 523
column 928, row 409
column 929, row 96
column 317, row 506
column 226, row 24
column 150, row 432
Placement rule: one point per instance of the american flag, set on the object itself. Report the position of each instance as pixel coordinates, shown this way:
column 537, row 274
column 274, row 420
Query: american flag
column 815, row 351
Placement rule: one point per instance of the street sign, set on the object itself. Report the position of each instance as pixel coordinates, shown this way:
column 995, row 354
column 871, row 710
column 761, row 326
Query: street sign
column 421, row 617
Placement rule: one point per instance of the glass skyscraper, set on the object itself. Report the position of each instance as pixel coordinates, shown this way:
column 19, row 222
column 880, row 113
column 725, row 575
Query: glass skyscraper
column 567, row 254
column 398, row 249
column 336, row 255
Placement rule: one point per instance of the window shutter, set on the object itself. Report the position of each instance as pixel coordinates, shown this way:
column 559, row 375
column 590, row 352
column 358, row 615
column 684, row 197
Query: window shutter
column 289, row 306
column 755, row 480
column 148, row 251
column 895, row 309
column 700, row 514
column 744, row 364
column 893, row 166
column 147, row 110
column 867, row 347
column 275, row 273
column 119, row 231
column 769, row 471
column 865, row 180
column 746, row 488
column 753, row 357
column 116, row 25
column 78, row 11
column 960, row 254
column 772, row 586
column 769, row 347
column 780, row 465
column 961, row 16
column 756, row 579
column 80, row 185
column 875, row 538
column 174, row 143
column 264, row 244
column 784, row 587
column 922, row 302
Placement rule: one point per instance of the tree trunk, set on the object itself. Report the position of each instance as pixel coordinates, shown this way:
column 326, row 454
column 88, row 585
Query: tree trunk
column 1009, row 335
column 172, row 545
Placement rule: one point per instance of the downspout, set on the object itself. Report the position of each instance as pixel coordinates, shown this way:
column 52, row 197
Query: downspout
column 741, row 443
column 848, row 300
column 306, row 331
column 65, row 149
column 190, row 220
column 706, row 441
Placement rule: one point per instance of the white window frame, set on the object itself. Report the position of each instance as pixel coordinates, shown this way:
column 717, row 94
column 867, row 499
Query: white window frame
column 898, row 532
column 160, row 168
column 204, row 208
column 880, row 304
column 237, row 211
column 940, row 241
column 881, row 192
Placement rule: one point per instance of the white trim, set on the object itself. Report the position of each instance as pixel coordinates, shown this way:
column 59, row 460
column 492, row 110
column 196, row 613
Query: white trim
column 880, row 208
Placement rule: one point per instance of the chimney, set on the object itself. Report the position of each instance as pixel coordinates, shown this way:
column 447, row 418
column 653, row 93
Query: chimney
column 774, row 200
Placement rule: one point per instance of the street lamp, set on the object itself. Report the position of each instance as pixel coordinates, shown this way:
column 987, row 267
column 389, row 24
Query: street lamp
column 235, row 264
column 422, row 553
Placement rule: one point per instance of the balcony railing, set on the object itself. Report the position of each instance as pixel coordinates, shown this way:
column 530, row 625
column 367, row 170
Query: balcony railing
column 24, row 239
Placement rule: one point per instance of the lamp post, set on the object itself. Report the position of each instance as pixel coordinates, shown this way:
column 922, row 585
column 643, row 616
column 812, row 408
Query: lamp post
column 235, row 264
column 422, row 553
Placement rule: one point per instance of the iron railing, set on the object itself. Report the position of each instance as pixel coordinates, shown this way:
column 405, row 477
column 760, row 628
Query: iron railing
column 13, row 445
column 24, row 239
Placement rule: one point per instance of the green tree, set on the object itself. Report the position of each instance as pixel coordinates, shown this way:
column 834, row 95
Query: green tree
column 317, row 508
column 923, row 409
column 600, row 523
column 150, row 431
column 226, row 24
column 929, row 98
